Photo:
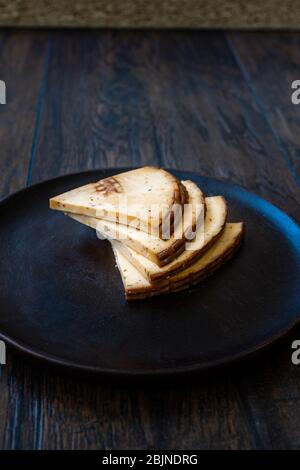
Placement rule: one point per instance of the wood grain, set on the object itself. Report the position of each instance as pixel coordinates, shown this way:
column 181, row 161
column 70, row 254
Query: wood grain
column 270, row 71
column 183, row 100
column 93, row 89
column 22, row 69
column 128, row 109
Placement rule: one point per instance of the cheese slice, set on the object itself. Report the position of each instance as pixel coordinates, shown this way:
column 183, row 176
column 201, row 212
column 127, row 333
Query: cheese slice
column 214, row 223
column 158, row 251
column 146, row 195
column 138, row 287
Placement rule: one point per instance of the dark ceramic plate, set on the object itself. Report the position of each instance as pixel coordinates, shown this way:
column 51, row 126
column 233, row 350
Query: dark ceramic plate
column 61, row 296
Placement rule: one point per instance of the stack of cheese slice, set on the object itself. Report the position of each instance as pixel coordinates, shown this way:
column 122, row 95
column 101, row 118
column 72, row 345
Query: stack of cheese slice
column 165, row 235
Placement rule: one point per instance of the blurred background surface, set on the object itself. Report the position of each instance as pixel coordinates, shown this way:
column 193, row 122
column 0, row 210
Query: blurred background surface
column 152, row 13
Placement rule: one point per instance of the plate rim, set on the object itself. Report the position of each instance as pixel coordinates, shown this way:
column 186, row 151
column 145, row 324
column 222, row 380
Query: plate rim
column 227, row 360
column 53, row 360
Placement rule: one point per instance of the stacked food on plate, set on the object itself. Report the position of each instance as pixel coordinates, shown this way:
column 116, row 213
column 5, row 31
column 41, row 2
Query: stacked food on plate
column 166, row 235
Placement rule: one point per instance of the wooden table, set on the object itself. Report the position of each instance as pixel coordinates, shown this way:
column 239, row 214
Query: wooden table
column 219, row 104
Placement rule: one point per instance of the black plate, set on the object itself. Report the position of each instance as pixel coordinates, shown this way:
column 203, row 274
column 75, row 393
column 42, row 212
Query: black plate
column 61, row 297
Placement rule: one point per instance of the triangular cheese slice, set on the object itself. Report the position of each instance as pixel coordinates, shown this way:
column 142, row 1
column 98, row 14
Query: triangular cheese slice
column 146, row 195
column 158, row 251
column 137, row 287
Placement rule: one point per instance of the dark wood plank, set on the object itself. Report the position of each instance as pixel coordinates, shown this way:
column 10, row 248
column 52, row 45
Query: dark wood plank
column 56, row 412
column 270, row 63
column 22, row 69
column 97, row 110
column 160, row 98
column 270, row 391
column 49, row 411
column 208, row 120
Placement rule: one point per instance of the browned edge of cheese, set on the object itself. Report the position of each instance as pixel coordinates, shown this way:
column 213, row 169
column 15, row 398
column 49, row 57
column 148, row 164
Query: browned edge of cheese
column 178, row 245
column 196, row 254
column 181, row 197
column 210, row 269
